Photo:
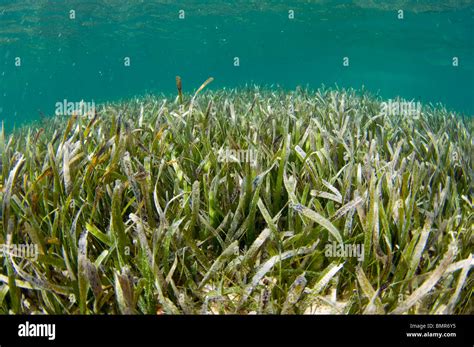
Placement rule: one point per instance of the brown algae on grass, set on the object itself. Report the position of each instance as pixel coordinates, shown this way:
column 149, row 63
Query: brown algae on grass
column 139, row 214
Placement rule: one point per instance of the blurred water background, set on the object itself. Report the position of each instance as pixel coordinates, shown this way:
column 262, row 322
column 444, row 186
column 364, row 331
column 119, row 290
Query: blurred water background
column 84, row 58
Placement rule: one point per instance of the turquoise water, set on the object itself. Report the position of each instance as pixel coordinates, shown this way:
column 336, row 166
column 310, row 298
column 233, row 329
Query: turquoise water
column 84, row 57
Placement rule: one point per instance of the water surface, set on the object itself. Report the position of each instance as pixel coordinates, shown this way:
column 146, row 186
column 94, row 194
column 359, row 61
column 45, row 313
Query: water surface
column 84, row 57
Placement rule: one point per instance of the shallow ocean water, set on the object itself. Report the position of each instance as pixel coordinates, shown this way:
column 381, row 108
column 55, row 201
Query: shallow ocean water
column 110, row 50
column 246, row 194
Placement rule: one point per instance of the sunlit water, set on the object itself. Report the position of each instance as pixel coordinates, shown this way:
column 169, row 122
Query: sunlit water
column 427, row 56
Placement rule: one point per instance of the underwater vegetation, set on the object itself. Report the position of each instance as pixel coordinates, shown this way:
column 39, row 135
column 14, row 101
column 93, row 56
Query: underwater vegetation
column 132, row 212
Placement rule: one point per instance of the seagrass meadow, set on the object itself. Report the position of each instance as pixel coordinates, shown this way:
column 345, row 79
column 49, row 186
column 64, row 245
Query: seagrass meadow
column 132, row 211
